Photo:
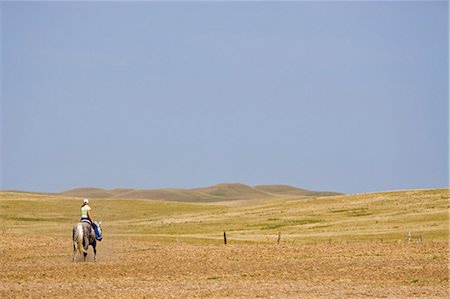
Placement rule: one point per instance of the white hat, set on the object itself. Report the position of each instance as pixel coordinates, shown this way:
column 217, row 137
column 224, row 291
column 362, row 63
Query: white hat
column 86, row 201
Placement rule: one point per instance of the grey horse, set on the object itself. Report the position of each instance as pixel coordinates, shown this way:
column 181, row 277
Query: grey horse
column 83, row 235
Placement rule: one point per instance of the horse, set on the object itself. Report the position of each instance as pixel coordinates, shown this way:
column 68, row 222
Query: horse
column 83, row 235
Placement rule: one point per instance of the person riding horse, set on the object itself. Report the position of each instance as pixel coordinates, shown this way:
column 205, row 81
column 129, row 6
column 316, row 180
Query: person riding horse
column 86, row 233
column 86, row 216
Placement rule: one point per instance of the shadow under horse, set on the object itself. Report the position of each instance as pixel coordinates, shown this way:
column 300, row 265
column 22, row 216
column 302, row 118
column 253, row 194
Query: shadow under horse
column 83, row 235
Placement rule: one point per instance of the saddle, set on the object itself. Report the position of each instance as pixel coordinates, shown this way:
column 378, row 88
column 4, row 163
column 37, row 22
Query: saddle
column 87, row 221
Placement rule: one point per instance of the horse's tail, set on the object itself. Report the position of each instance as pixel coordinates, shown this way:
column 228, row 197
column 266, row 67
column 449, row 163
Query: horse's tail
column 79, row 238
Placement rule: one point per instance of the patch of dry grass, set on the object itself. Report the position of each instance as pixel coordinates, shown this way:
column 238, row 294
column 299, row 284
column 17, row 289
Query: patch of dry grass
column 363, row 217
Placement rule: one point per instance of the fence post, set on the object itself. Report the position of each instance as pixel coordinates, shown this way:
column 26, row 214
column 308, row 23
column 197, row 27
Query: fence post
column 408, row 236
column 225, row 237
column 279, row 238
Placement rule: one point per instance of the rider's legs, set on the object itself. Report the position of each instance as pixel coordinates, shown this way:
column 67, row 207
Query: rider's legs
column 98, row 236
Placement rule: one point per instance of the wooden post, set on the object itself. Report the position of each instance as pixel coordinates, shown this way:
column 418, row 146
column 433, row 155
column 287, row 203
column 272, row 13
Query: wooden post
column 279, row 238
column 225, row 238
column 408, row 236
column 421, row 238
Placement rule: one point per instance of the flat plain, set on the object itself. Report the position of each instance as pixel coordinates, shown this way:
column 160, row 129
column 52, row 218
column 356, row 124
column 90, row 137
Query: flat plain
column 345, row 246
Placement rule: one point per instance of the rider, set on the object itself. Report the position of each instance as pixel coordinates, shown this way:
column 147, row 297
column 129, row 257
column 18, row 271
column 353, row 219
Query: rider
column 86, row 216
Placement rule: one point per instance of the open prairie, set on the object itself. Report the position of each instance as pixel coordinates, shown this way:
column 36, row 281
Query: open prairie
column 329, row 247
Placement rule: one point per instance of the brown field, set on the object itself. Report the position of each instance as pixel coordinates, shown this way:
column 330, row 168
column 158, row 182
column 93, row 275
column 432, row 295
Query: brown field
column 41, row 267
column 334, row 247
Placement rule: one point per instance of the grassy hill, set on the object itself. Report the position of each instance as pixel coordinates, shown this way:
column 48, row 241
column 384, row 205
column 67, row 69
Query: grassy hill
column 216, row 193
column 371, row 216
column 289, row 190
column 88, row 192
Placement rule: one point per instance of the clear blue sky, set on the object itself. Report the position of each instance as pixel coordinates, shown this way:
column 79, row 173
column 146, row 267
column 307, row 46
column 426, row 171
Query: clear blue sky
column 339, row 96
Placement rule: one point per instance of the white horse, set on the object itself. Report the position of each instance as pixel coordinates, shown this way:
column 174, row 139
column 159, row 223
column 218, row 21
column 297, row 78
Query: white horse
column 83, row 235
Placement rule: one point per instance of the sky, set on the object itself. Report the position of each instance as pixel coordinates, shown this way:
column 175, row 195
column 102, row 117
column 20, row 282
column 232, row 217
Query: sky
column 339, row 96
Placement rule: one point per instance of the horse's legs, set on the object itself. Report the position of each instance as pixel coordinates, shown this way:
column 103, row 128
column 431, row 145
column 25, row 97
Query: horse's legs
column 85, row 246
column 95, row 253
column 74, row 251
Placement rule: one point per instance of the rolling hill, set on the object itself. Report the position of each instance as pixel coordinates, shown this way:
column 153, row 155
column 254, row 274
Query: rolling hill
column 289, row 190
column 216, row 193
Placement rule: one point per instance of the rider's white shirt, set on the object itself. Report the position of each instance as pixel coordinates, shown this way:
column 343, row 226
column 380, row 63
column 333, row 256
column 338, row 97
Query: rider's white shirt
column 84, row 211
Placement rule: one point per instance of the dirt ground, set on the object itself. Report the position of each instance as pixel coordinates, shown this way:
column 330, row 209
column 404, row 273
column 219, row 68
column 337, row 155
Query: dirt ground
column 37, row 267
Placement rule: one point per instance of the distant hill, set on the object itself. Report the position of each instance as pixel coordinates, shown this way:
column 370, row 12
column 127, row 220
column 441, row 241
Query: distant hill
column 88, row 192
column 289, row 190
column 216, row 193
column 235, row 191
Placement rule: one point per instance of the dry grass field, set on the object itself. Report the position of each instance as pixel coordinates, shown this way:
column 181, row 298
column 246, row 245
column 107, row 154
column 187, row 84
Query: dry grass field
column 347, row 246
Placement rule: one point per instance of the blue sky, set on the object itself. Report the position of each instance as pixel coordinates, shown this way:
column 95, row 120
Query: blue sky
column 339, row 96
